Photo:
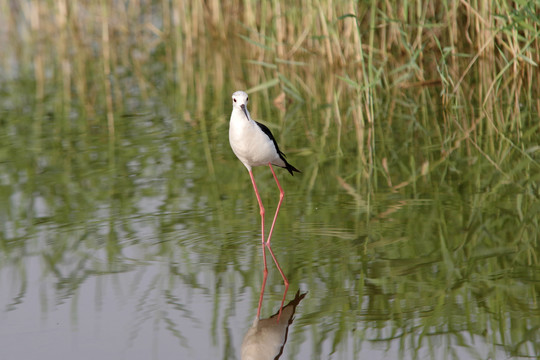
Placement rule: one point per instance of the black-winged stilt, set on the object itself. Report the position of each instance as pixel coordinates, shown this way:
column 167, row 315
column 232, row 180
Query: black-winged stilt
column 254, row 145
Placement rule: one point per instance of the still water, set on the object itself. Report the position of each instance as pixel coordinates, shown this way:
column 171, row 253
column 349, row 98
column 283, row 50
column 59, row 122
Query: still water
column 145, row 245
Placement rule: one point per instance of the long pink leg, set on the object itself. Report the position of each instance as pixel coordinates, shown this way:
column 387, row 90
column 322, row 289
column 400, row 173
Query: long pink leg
column 265, row 271
column 285, row 281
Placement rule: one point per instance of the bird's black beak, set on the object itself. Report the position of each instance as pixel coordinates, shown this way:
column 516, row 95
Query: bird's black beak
column 244, row 109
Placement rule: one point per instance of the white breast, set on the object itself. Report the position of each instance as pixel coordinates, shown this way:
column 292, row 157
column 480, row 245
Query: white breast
column 250, row 144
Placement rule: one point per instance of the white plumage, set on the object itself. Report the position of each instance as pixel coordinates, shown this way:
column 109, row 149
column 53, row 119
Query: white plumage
column 252, row 142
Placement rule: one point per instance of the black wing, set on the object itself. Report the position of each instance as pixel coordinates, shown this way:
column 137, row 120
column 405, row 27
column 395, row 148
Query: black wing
column 268, row 133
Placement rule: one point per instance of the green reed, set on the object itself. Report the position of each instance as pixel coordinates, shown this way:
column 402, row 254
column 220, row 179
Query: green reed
column 376, row 44
column 399, row 102
column 450, row 83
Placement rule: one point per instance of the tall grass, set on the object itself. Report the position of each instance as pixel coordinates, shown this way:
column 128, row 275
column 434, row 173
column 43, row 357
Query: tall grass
column 472, row 66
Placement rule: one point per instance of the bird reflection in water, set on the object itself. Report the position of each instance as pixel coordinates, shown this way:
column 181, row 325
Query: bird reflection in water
column 266, row 338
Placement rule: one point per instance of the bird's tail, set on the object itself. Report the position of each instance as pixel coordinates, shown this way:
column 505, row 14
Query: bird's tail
column 291, row 168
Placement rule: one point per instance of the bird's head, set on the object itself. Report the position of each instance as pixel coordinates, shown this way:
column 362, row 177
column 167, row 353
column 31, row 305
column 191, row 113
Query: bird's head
column 240, row 100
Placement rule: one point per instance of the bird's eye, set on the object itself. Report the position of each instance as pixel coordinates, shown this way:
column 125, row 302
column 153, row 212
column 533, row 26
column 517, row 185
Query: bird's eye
column 234, row 100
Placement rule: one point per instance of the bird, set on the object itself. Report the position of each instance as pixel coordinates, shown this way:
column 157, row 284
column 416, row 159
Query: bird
column 266, row 338
column 254, row 145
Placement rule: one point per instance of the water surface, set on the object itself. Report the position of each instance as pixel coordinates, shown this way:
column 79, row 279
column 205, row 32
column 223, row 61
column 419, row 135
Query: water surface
column 129, row 230
column 136, row 248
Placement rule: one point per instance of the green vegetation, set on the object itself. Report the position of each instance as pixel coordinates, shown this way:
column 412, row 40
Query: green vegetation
column 462, row 76
column 416, row 127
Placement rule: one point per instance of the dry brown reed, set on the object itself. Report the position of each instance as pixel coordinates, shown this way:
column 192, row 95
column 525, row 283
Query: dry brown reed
column 473, row 55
